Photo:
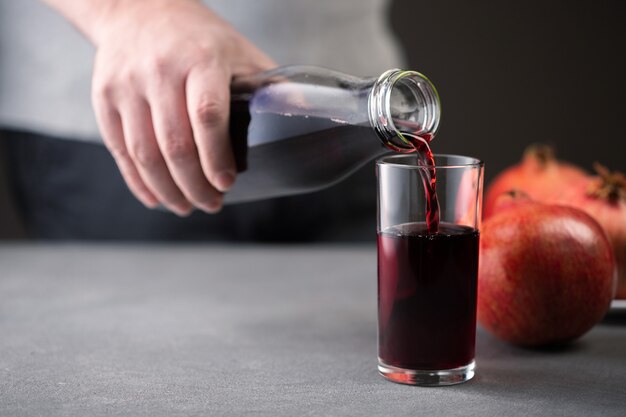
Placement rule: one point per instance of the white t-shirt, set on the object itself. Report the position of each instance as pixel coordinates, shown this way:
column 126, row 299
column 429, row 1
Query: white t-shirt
column 46, row 64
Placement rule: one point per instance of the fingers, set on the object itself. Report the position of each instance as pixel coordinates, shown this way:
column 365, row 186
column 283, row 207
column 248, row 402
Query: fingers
column 111, row 127
column 175, row 140
column 208, row 104
column 137, row 125
column 153, row 146
column 170, row 141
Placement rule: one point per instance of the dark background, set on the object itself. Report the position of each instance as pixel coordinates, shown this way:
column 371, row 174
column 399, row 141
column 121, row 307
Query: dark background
column 510, row 74
column 514, row 72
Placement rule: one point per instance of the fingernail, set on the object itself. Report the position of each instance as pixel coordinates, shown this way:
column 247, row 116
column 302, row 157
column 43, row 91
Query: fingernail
column 213, row 206
column 148, row 201
column 224, row 180
column 182, row 210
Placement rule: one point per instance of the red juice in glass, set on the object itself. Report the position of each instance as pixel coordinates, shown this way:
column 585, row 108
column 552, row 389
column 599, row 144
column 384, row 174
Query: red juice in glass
column 427, row 296
column 428, row 222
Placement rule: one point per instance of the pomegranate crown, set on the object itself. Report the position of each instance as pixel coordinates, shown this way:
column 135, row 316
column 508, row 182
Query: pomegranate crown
column 610, row 186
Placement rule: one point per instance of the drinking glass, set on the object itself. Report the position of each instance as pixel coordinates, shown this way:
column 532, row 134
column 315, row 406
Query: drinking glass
column 427, row 278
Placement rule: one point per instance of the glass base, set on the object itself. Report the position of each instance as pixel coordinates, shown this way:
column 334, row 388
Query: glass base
column 431, row 378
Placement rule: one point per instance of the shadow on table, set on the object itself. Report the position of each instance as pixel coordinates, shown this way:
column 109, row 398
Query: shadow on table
column 615, row 318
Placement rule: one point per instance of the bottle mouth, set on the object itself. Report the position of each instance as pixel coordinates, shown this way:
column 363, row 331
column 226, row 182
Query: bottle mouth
column 404, row 105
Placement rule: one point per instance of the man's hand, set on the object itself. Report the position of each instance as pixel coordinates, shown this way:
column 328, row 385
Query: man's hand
column 161, row 95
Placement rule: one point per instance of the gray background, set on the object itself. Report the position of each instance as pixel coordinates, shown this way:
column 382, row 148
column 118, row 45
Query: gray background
column 265, row 331
column 513, row 73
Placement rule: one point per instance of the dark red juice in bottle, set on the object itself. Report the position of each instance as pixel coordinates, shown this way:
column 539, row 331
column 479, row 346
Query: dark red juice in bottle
column 427, row 295
column 282, row 153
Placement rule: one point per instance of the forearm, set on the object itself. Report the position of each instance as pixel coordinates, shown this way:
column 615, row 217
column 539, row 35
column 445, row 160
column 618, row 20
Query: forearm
column 86, row 15
column 92, row 16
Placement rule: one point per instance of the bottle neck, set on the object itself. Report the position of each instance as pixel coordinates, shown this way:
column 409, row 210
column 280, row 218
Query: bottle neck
column 400, row 103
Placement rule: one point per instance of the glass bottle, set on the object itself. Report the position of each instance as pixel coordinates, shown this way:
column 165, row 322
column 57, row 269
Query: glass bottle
column 297, row 129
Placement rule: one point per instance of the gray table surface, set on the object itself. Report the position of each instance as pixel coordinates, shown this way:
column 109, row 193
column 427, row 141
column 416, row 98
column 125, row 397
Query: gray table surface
column 265, row 331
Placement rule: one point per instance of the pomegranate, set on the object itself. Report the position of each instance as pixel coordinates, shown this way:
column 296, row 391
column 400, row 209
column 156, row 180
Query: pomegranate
column 546, row 274
column 467, row 207
column 604, row 198
column 539, row 175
